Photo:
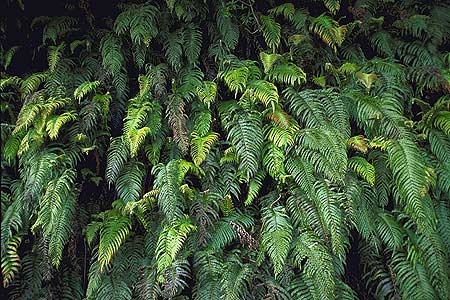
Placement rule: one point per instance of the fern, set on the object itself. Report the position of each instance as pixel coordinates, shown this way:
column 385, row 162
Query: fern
column 276, row 236
column 170, row 242
column 328, row 30
column 200, row 146
column 129, row 182
column 11, row 260
column 410, row 176
column 271, row 32
column 245, row 133
column 140, row 21
column 363, row 168
column 113, row 233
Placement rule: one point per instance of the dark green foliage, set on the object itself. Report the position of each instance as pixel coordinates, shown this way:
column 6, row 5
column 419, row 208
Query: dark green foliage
column 225, row 150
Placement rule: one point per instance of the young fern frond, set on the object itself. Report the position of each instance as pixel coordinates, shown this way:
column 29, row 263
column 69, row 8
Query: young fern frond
column 85, row 88
column 328, row 30
column 54, row 56
column 113, row 233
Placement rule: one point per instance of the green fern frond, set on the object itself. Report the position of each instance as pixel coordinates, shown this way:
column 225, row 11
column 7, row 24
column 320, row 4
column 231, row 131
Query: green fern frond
column 140, row 21
column 273, row 160
column 207, row 92
column 118, row 155
column 58, row 27
column 254, row 186
column 329, row 30
column 332, row 5
column 276, row 236
column 363, row 168
column 85, row 88
column 319, row 263
column 170, row 242
column 268, row 60
column 264, row 91
column 55, row 123
column 286, row 9
column 410, row 177
column 113, row 233
column 57, row 207
column 192, row 44
column 200, row 146
column 129, row 181
column 287, row 73
column 271, row 31
column 32, row 82
column 54, row 56
column 246, row 135
column 11, row 260
column 168, row 181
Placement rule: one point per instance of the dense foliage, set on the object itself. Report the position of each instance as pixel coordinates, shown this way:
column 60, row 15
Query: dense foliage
column 192, row 149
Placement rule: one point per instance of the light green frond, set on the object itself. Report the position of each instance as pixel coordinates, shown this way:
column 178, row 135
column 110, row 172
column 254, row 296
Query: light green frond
column 113, row 233
column 85, row 88
column 200, row 146
column 171, row 240
column 271, row 31
column 55, row 123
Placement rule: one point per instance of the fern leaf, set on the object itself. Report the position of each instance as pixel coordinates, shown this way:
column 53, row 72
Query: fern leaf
column 276, row 236
column 200, row 146
column 113, row 234
column 363, row 168
column 245, row 133
column 271, row 31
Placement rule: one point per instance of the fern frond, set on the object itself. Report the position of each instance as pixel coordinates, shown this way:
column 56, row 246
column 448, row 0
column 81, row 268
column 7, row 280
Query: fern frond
column 129, row 181
column 276, row 236
column 192, row 44
column 11, row 260
column 329, row 30
column 54, row 123
column 171, row 240
column 118, row 154
column 85, row 88
column 363, row 168
column 286, row 9
column 287, row 73
column 319, row 263
column 200, row 146
column 246, row 135
column 332, row 5
column 271, row 31
column 410, row 177
column 113, row 233
column 207, row 92
column 140, row 21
